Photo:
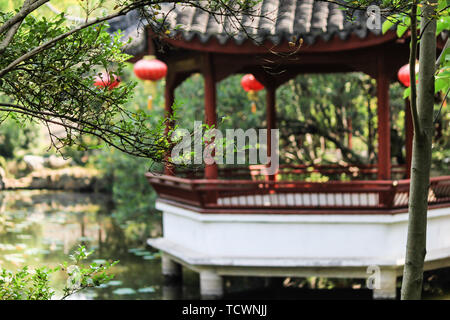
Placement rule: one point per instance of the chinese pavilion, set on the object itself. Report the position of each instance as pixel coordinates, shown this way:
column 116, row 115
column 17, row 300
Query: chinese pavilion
column 238, row 222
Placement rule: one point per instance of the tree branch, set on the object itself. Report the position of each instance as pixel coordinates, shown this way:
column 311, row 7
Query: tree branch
column 53, row 41
column 28, row 7
column 70, row 18
column 446, row 46
column 9, row 36
column 94, row 130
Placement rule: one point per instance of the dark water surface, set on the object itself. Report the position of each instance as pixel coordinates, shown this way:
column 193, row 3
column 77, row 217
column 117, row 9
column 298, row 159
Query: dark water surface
column 40, row 228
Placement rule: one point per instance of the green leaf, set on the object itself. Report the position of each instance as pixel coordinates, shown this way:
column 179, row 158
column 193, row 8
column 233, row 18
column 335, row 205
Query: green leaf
column 403, row 26
column 407, row 93
column 443, row 23
column 441, row 84
column 401, row 29
column 387, row 25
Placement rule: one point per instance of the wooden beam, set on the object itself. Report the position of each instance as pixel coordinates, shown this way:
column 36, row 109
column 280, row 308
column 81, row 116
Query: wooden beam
column 282, row 69
column 249, row 47
column 188, row 64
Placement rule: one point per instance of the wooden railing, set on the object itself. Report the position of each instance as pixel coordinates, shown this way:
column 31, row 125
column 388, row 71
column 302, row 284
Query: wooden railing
column 300, row 172
column 257, row 196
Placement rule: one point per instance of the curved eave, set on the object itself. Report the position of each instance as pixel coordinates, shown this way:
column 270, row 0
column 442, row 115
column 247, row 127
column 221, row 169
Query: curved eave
column 335, row 44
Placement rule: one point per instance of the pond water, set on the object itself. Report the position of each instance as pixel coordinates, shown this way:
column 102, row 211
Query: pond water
column 40, row 228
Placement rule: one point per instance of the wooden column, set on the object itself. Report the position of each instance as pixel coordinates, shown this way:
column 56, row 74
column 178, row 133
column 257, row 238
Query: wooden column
column 271, row 119
column 169, row 97
column 350, row 133
column 384, row 127
column 409, row 134
column 211, row 171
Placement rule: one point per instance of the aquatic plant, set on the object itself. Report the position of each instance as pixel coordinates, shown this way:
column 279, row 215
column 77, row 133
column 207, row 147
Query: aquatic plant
column 29, row 284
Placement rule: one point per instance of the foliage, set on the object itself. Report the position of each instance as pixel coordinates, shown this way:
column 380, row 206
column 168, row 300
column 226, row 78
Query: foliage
column 26, row 284
column 56, row 86
column 332, row 117
column 132, row 194
column 16, row 138
column 81, row 276
column 402, row 22
column 47, row 68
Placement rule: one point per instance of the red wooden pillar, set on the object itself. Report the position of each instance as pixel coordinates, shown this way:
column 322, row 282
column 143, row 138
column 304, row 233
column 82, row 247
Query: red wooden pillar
column 350, row 133
column 169, row 97
column 409, row 134
column 271, row 119
column 384, row 127
column 211, row 171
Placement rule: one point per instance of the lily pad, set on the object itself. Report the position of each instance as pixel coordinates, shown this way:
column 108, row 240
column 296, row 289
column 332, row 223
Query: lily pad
column 133, row 250
column 142, row 253
column 123, row 291
column 32, row 251
column 24, row 236
column 47, row 241
column 21, row 246
column 85, row 239
column 99, row 261
column 114, row 283
column 146, row 290
column 7, row 247
column 15, row 258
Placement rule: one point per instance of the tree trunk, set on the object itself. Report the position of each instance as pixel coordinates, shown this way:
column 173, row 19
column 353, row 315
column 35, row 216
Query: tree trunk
column 421, row 157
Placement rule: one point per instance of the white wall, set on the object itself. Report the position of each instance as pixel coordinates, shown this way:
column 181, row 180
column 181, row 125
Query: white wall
column 319, row 239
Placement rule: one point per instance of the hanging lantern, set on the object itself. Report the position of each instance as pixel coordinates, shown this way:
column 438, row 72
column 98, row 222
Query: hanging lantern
column 403, row 74
column 150, row 68
column 105, row 80
column 249, row 83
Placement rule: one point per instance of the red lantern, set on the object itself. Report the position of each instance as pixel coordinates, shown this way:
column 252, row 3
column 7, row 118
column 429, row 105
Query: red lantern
column 403, row 74
column 249, row 83
column 105, row 80
column 150, row 69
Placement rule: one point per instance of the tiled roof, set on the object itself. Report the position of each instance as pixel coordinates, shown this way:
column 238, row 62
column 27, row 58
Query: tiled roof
column 278, row 21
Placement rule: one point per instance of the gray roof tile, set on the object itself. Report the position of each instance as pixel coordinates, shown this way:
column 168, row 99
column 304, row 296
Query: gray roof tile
column 280, row 20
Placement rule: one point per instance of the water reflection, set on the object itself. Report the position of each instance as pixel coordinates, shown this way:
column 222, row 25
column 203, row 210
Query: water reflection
column 42, row 227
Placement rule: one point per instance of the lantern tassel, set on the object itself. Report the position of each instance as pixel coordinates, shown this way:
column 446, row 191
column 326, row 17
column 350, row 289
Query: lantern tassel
column 150, row 103
column 251, row 95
